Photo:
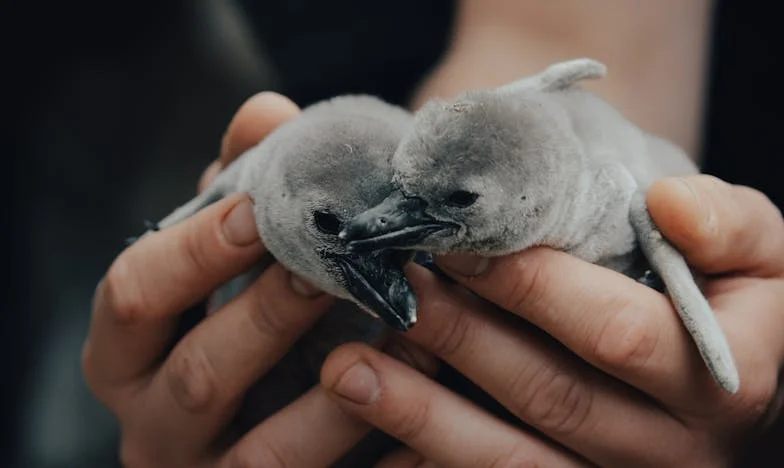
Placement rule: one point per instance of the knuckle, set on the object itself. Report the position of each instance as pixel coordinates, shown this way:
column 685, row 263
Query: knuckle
column 121, row 296
column 530, row 287
column 626, row 342
column 455, row 336
column 197, row 248
column 270, row 318
column 410, row 424
column 557, row 402
column 191, row 379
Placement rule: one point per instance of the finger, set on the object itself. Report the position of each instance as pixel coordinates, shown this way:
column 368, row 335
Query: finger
column 202, row 381
column 137, row 303
column 720, row 228
column 404, row 458
column 209, row 175
column 255, row 119
column 538, row 382
column 757, row 335
column 613, row 322
column 312, row 431
column 435, row 422
column 273, row 439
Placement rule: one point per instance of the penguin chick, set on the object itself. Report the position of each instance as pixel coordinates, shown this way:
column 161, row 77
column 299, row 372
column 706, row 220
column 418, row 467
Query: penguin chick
column 306, row 179
column 540, row 161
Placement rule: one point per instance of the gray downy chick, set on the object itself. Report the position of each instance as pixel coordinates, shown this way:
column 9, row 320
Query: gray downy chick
column 541, row 161
column 307, row 178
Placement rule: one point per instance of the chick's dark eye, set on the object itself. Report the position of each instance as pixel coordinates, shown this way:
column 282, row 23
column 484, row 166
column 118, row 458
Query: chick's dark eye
column 327, row 222
column 461, row 198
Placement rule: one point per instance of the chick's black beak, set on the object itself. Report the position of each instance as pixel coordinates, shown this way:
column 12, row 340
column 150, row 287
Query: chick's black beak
column 377, row 281
column 397, row 222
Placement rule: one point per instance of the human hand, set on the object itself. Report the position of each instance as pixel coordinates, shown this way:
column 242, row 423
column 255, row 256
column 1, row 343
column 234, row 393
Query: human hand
column 630, row 390
column 175, row 409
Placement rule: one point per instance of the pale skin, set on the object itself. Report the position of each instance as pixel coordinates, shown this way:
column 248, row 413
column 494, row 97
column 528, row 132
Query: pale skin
column 594, row 411
column 655, row 51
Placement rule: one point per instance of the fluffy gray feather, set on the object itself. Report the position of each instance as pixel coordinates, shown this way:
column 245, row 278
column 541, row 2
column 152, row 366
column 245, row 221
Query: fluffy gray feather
column 540, row 162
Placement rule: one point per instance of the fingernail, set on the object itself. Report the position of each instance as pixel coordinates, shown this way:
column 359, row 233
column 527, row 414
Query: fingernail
column 702, row 206
column 464, row 264
column 358, row 384
column 239, row 226
column 303, row 287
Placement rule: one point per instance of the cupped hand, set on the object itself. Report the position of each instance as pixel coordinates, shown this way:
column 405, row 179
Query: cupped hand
column 174, row 406
column 597, row 367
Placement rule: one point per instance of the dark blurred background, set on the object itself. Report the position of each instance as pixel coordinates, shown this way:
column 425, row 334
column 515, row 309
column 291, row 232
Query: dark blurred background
column 117, row 109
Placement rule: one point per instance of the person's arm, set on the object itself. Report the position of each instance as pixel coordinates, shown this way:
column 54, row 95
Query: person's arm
column 656, row 53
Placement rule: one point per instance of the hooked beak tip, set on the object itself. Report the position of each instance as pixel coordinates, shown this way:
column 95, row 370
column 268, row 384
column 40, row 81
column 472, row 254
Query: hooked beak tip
column 404, row 325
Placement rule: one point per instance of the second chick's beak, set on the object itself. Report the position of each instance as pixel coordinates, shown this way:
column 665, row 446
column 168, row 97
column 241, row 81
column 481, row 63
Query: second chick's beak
column 399, row 221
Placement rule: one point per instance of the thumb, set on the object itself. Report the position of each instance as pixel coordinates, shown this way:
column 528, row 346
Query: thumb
column 256, row 118
column 719, row 227
column 259, row 116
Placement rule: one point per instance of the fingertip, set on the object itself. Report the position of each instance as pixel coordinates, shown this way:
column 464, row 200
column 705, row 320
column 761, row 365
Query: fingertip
column 209, row 175
column 254, row 120
column 275, row 108
column 348, row 374
column 238, row 225
column 682, row 208
column 340, row 360
column 272, row 98
column 718, row 226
